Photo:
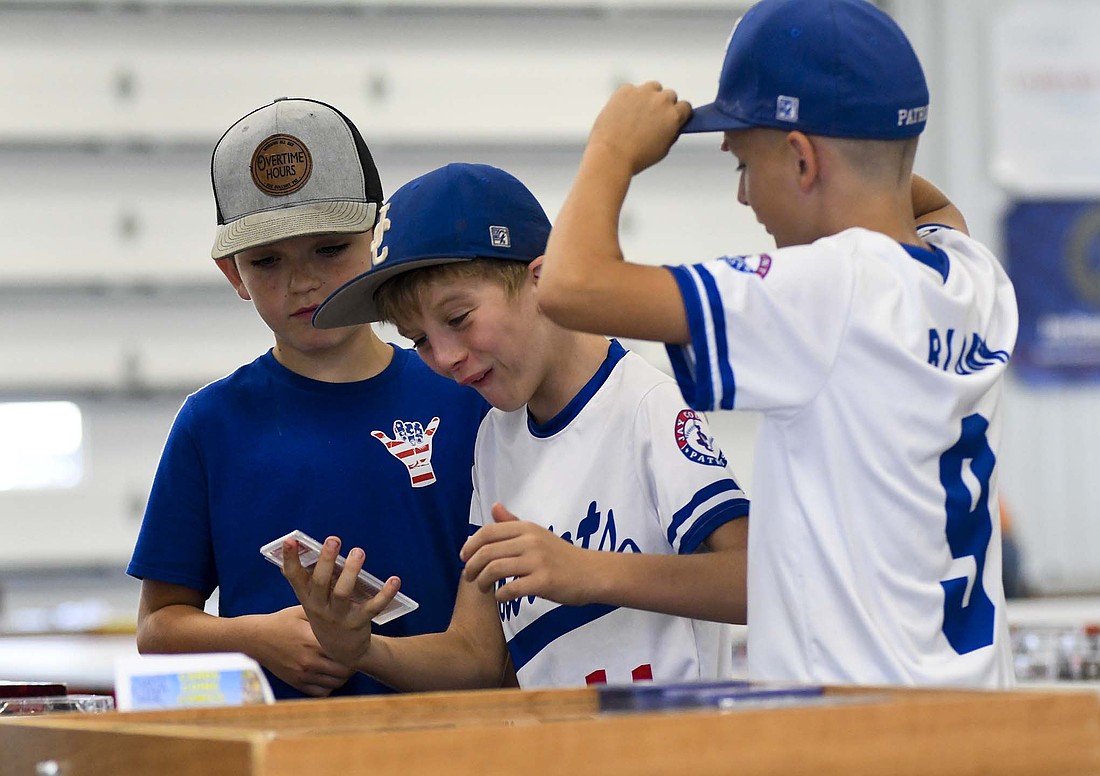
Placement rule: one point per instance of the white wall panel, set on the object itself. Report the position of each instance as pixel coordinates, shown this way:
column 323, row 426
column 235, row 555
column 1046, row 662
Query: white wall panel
column 96, row 522
column 1049, row 478
column 124, row 341
column 106, row 217
column 148, row 217
column 434, row 77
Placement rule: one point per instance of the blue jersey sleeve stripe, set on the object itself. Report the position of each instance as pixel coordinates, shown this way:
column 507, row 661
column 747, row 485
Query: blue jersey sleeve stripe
column 682, row 371
column 709, row 522
column 526, row 644
column 718, row 319
column 695, row 383
column 701, row 497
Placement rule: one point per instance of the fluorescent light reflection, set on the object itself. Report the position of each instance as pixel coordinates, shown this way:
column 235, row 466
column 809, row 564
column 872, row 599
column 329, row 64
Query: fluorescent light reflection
column 41, row 445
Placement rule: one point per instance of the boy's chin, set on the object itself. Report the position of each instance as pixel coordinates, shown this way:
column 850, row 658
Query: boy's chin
column 508, row 404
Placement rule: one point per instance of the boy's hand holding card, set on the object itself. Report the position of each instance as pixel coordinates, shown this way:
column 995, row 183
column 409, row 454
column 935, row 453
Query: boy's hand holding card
column 366, row 584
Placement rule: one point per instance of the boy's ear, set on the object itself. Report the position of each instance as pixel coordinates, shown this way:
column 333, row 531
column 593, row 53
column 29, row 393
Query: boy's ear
column 534, row 269
column 232, row 274
column 806, row 157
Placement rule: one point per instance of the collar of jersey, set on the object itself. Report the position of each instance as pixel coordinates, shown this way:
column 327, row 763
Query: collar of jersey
column 935, row 258
column 615, row 353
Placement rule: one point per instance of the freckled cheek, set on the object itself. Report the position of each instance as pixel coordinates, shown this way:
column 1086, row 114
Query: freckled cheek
column 264, row 286
column 432, row 364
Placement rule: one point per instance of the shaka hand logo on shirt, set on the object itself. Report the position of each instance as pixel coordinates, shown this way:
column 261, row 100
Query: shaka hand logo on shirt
column 413, row 447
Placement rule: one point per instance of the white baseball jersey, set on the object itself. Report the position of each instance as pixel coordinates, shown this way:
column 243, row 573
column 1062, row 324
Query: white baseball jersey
column 875, row 551
column 625, row 467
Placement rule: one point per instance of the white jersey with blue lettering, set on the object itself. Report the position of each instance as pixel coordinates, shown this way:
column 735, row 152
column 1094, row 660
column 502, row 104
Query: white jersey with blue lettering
column 625, row 467
column 875, row 552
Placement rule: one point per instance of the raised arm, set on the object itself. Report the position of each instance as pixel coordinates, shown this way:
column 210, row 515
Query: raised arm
column 931, row 206
column 470, row 654
column 586, row 285
column 171, row 620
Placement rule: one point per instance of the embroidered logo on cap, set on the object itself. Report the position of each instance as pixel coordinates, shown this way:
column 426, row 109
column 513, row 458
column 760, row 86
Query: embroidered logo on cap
column 281, row 165
column 786, row 108
column 499, row 237
column 378, row 254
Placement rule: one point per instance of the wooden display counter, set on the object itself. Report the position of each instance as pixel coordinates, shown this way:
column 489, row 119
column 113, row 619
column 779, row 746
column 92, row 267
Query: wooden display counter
column 847, row 731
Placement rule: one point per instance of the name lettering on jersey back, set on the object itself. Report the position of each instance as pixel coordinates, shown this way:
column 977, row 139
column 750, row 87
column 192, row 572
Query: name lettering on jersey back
column 593, row 524
column 961, row 353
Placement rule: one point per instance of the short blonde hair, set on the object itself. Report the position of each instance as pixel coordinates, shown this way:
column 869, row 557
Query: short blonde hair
column 404, row 293
column 890, row 161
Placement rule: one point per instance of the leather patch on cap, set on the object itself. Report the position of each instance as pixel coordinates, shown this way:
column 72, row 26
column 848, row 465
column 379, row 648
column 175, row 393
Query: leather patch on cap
column 281, row 165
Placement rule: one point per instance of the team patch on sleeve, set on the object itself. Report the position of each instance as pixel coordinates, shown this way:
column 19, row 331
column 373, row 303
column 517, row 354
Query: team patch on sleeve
column 757, row 264
column 695, row 441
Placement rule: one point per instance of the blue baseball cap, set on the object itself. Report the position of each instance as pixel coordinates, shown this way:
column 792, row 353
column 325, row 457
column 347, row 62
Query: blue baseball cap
column 459, row 212
column 840, row 68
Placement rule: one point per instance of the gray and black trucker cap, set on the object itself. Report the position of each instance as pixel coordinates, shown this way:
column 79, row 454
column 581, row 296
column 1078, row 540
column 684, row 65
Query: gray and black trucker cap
column 292, row 168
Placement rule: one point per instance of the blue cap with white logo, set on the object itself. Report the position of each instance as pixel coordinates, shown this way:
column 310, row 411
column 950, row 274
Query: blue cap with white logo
column 840, row 68
column 459, row 212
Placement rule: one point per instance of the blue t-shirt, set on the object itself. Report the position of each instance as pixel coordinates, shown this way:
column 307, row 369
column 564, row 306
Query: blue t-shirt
column 265, row 451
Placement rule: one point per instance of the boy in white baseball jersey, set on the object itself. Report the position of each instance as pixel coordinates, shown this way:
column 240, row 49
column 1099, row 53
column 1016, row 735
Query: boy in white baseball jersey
column 632, row 540
column 873, row 342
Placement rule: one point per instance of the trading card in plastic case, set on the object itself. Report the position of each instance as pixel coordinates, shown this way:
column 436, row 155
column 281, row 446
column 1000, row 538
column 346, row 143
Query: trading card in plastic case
column 724, row 695
column 366, row 587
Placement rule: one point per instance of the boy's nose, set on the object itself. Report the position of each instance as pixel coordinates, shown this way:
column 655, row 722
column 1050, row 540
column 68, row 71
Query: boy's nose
column 450, row 356
column 303, row 279
column 742, row 197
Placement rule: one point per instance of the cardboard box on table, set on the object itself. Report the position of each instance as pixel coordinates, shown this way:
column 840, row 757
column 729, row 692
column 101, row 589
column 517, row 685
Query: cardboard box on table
column 849, row 731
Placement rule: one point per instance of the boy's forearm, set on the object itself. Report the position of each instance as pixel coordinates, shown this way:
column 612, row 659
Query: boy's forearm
column 931, row 206
column 586, row 285
column 583, row 248
column 704, row 585
column 435, row 661
column 470, row 654
column 182, row 628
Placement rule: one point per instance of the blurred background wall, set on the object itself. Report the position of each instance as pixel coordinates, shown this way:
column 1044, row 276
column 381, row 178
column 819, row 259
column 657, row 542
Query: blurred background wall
column 109, row 300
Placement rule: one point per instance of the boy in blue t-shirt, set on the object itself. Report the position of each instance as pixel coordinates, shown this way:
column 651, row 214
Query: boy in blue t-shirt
column 329, row 432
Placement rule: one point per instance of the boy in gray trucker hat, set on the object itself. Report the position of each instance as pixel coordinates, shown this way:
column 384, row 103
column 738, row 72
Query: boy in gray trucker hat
column 328, row 432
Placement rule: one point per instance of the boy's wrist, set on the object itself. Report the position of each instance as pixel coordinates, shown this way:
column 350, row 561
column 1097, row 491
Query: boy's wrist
column 598, row 579
column 606, row 158
column 371, row 657
column 247, row 633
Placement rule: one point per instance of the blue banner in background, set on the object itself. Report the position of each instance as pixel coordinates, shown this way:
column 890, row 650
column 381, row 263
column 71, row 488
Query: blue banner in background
column 1052, row 251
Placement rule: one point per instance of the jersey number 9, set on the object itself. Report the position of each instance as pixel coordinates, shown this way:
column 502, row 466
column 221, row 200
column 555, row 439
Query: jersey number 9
column 967, row 610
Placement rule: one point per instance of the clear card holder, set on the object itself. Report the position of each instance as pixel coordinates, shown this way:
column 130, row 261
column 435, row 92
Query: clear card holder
column 366, row 586
column 51, row 704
